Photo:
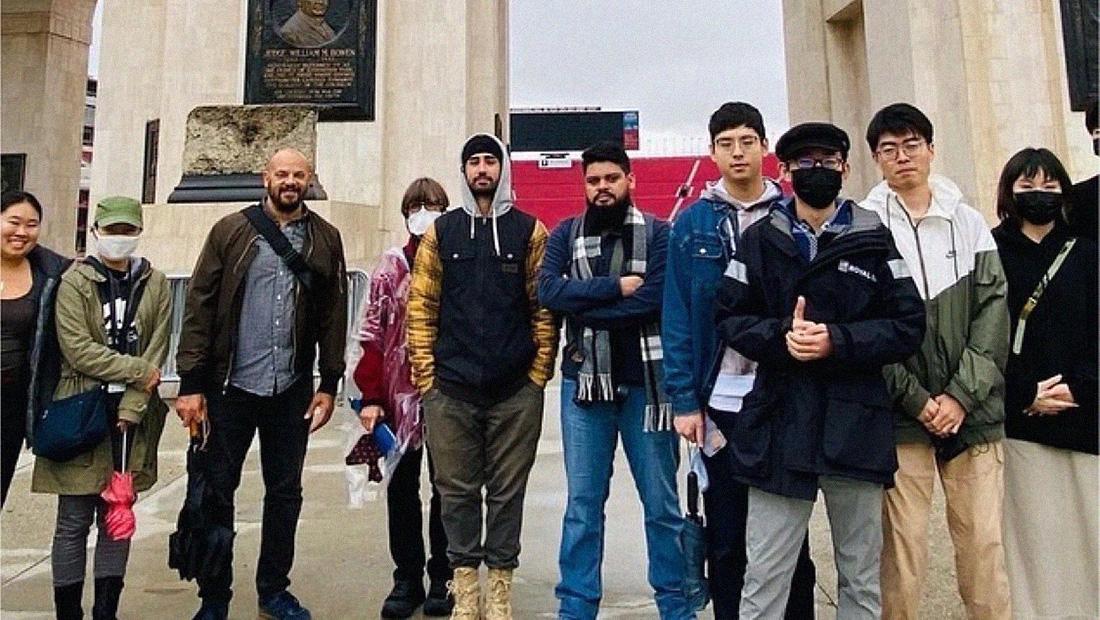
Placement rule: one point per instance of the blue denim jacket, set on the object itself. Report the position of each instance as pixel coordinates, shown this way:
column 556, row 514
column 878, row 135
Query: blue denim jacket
column 699, row 249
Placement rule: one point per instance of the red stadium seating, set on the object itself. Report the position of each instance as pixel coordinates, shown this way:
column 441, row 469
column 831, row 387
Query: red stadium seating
column 664, row 184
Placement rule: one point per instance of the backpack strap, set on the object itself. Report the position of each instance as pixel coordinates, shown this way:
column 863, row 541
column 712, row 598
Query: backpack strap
column 280, row 244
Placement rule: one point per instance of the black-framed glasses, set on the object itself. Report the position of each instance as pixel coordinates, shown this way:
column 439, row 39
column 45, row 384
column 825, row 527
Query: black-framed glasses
column 747, row 144
column 832, row 163
column 911, row 147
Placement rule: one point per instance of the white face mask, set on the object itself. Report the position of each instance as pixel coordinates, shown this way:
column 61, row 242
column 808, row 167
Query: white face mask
column 419, row 222
column 116, row 247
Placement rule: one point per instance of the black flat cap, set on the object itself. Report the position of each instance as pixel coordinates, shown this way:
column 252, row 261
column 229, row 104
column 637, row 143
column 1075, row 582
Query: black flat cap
column 809, row 136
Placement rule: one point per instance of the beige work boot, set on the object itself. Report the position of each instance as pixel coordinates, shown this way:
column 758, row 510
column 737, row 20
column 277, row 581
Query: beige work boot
column 498, row 602
column 466, row 590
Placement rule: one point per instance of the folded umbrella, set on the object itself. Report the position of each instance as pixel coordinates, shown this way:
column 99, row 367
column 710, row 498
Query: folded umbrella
column 119, row 496
column 199, row 547
column 694, row 542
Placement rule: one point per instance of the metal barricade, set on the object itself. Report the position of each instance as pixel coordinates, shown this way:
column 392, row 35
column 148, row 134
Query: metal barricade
column 358, row 287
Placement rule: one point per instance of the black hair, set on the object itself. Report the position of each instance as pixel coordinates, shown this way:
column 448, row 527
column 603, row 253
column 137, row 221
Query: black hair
column 898, row 119
column 1026, row 163
column 1091, row 109
column 734, row 114
column 605, row 151
column 14, row 197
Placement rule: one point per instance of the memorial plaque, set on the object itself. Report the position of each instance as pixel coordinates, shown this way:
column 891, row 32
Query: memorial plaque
column 318, row 52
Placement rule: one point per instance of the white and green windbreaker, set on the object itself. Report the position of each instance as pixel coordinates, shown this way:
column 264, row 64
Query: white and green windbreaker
column 953, row 259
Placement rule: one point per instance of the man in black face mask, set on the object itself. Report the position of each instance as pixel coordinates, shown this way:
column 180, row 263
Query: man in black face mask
column 819, row 297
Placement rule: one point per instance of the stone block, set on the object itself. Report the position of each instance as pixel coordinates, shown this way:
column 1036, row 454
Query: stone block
column 234, row 139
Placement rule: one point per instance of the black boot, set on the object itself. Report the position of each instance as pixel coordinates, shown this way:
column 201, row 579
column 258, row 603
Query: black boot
column 107, row 592
column 439, row 602
column 66, row 600
column 403, row 600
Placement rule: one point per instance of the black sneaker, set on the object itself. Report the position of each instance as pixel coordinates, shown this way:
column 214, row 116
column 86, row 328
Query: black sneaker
column 403, row 599
column 283, row 606
column 212, row 610
column 439, row 602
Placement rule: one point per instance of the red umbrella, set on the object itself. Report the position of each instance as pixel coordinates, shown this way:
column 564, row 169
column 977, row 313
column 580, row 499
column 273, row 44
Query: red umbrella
column 119, row 496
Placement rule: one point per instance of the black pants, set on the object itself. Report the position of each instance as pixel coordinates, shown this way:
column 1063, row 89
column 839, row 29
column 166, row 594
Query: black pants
column 234, row 419
column 726, row 504
column 13, row 403
column 404, row 512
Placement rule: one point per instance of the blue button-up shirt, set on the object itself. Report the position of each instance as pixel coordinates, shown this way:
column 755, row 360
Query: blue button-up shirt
column 264, row 360
column 805, row 237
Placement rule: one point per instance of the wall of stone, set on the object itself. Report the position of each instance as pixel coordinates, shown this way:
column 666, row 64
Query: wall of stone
column 990, row 75
column 44, row 70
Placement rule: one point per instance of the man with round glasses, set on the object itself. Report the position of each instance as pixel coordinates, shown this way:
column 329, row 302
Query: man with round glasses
column 948, row 399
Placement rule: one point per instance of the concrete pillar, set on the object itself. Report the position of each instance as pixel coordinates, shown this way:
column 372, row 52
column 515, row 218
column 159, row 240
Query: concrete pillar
column 45, row 71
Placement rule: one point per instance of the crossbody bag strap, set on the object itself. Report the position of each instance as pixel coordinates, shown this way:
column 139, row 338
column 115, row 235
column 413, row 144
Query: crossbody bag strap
column 280, row 244
column 1033, row 299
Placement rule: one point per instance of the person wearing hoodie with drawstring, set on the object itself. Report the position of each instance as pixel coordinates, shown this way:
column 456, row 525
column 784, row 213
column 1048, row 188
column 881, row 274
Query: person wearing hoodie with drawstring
column 949, row 397
column 700, row 374
column 482, row 351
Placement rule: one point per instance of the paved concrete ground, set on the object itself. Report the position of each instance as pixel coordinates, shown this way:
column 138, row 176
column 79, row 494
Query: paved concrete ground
column 343, row 566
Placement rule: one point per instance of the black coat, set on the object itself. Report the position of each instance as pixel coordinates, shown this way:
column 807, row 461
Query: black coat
column 47, row 267
column 832, row 416
column 1060, row 338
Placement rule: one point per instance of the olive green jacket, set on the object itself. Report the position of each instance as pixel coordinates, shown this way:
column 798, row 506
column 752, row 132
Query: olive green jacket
column 87, row 361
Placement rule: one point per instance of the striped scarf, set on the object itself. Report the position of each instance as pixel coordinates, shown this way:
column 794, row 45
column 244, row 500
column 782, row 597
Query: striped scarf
column 594, row 382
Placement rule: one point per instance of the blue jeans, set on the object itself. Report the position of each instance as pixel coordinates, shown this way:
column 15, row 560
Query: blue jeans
column 590, row 435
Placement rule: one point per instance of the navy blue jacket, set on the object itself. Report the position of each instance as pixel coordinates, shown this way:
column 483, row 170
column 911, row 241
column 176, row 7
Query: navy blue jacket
column 598, row 302
column 832, row 416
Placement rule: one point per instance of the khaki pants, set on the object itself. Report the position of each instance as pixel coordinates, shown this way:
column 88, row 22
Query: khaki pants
column 973, row 485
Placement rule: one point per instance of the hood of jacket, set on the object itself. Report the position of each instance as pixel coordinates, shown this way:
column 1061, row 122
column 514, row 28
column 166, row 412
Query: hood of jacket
column 946, row 199
column 715, row 191
column 502, row 199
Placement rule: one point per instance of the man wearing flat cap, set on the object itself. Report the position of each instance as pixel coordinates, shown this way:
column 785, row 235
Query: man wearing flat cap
column 481, row 351
column 819, row 297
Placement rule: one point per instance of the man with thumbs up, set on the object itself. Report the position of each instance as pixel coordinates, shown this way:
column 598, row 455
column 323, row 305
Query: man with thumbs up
column 819, row 297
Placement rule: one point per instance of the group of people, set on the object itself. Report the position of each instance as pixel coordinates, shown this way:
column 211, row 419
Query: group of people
column 803, row 342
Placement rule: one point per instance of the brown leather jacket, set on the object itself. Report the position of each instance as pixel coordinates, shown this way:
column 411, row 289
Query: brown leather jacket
column 212, row 311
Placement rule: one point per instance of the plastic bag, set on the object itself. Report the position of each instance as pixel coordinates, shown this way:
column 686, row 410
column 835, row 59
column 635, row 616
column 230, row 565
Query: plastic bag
column 366, row 456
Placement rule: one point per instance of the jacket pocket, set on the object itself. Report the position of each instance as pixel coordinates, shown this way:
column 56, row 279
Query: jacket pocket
column 751, row 433
column 859, row 429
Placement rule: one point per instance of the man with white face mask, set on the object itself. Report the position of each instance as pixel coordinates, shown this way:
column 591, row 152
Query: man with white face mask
column 384, row 378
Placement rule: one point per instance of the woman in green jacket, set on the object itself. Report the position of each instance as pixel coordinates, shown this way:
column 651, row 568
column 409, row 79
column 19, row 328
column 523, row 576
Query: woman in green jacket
column 99, row 345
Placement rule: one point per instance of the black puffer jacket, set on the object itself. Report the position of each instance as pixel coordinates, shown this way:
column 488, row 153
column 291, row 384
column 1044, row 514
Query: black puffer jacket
column 46, row 267
column 832, row 416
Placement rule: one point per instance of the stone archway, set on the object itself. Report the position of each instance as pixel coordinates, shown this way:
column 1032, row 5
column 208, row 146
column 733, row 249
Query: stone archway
column 44, row 50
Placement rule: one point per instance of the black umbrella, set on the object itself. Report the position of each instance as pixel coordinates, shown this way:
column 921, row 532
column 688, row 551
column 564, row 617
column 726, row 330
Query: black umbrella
column 694, row 541
column 198, row 548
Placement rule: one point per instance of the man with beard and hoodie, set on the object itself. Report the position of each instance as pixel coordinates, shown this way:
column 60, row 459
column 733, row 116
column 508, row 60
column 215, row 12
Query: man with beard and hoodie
column 818, row 296
column 481, row 351
column 258, row 313
column 948, row 399
column 604, row 274
column 700, row 374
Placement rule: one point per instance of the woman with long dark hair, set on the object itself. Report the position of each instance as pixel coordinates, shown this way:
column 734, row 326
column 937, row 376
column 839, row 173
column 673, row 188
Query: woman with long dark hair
column 28, row 279
column 1050, row 508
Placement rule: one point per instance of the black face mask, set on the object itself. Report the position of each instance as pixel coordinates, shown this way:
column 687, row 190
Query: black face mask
column 1038, row 207
column 817, row 187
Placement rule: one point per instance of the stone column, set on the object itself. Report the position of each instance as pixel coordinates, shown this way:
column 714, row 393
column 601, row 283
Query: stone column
column 45, row 73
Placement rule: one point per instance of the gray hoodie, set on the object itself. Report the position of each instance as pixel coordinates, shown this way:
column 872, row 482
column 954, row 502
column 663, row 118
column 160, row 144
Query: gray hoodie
column 502, row 199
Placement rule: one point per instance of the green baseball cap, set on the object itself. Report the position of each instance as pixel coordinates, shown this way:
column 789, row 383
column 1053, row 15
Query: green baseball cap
column 117, row 210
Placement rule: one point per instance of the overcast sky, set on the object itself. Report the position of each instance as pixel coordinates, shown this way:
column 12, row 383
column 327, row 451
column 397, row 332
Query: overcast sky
column 674, row 62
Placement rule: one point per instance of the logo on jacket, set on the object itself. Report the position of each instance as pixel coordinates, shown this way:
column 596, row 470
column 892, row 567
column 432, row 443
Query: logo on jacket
column 847, row 267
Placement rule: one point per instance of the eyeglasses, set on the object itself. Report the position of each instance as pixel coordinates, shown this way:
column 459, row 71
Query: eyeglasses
column 832, row 163
column 431, row 206
column 747, row 144
column 890, row 152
